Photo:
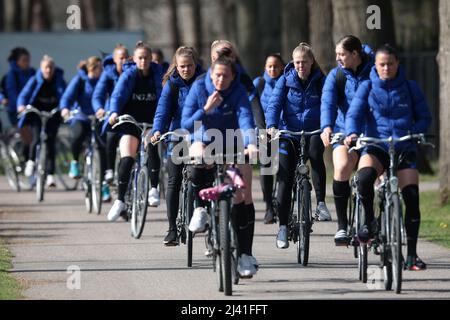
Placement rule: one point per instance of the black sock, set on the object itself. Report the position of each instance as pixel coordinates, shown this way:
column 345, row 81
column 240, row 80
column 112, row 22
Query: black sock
column 250, row 209
column 366, row 180
column 240, row 213
column 125, row 167
column 412, row 217
column 341, row 191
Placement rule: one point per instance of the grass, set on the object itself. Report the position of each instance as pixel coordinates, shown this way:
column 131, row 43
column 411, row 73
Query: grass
column 435, row 220
column 9, row 287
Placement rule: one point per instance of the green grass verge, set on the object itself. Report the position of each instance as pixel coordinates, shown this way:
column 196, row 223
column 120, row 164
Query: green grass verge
column 9, row 287
column 435, row 220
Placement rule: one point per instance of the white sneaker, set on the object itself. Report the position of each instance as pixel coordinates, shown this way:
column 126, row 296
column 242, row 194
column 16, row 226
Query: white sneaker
column 117, row 208
column 29, row 168
column 282, row 238
column 109, row 176
column 51, row 181
column 254, row 262
column 153, row 197
column 245, row 267
column 322, row 212
column 199, row 220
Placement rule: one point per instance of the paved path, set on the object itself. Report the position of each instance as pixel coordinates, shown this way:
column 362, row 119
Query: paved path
column 47, row 238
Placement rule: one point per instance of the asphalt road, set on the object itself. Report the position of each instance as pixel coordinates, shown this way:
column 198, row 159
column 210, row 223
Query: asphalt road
column 50, row 238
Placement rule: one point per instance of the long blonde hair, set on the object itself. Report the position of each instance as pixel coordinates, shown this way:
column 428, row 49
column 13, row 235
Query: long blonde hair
column 181, row 52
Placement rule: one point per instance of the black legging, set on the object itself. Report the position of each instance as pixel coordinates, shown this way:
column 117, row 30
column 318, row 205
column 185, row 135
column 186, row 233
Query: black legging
column 175, row 173
column 154, row 164
column 267, row 181
column 112, row 141
column 288, row 161
column 80, row 132
column 51, row 130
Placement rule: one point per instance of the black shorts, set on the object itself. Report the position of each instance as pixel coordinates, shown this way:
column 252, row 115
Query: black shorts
column 128, row 129
column 404, row 160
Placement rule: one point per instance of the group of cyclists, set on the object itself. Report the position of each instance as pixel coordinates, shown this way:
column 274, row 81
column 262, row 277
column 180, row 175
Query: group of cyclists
column 366, row 93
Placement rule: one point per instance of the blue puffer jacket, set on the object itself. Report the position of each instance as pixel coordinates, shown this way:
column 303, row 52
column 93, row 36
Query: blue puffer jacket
column 234, row 112
column 269, row 85
column 332, row 114
column 167, row 118
column 298, row 108
column 384, row 108
column 124, row 87
column 78, row 95
column 16, row 79
column 31, row 90
column 105, row 85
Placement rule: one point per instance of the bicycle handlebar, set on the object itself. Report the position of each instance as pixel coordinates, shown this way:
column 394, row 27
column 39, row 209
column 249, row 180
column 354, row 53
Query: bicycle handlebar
column 368, row 141
column 293, row 133
column 30, row 109
column 166, row 135
column 126, row 118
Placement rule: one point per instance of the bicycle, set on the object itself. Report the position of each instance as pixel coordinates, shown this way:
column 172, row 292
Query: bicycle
column 136, row 198
column 92, row 169
column 10, row 160
column 392, row 235
column 40, row 173
column 186, row 207
column 221, row 238
column 356, row 219
column 301, row 219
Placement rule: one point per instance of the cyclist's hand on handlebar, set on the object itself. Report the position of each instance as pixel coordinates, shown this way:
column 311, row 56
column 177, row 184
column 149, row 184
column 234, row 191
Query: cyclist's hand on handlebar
column 155, row 137
column 113, row 118
column 252, row 151
column 326, row 136
column 21, row 109
column 100, row 113
column 65, row 114
column 350, row 139
column 272, row 132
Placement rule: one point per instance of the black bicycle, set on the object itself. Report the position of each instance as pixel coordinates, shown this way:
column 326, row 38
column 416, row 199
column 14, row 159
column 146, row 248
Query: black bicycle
column 301, row 219
column 391, row 234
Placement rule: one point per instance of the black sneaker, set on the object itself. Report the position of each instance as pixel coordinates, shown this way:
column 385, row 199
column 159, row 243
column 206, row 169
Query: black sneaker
column 415, row 264
column 364, row 234
column 270, row 217
column 171, row 239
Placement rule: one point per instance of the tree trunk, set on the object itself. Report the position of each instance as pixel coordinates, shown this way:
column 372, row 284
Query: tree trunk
column 444, row 71
column 351, row 17
column 269, row 24
column 103, row 13
column 118, row 14
column 248, row 37
column 2, row 15
column 197, row 20
column 17, row 17
column 88, row 15
column 173, row 21
column 321, row 33
column 294, row 25
column 38, row 16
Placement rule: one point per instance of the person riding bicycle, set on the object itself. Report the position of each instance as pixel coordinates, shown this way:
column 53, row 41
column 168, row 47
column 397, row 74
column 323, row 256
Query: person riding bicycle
column 78, row 97
column 158, row 58
column 389, row 105
column 355, row 62
column 219, row 101
column 137, row 93
column 43, row 91
column 101, row 98
column 12, row 84
column 264, row 86
column 296, row 100
column 177, row 82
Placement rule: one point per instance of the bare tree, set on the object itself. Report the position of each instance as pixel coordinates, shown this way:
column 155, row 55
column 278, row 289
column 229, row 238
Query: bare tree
column 351, row 17
column 174, row 27
column 321, row 33
column 2, row 14
column 197, row 19
column 248, row 36
column 38, row 16
column 294, row 24
column 269, row 24
column 444, row 71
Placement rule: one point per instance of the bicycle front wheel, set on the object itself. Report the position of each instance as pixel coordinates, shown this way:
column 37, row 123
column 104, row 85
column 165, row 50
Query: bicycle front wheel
column 224, row 224
column 304, row 222
column 9, row 167
column 140, row 204
column 188, row 208
column 41, row 171
column 396, row 243
column 63, row 159
column 96, row 181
